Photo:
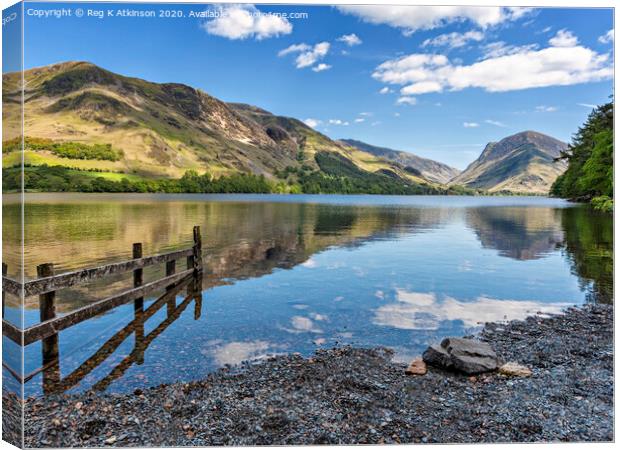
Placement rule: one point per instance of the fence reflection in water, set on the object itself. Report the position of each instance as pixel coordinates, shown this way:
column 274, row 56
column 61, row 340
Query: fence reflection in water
column 49, row 327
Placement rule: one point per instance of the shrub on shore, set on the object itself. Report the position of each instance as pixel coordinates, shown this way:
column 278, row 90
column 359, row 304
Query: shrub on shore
column 603, row 203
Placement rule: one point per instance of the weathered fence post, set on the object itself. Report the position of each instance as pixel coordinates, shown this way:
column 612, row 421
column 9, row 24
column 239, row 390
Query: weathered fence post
column 4, row 272
column 197, row 249
column 137, row 275
column 170, row 270
column 49, row 345
column 171, row 267
column 138, row 306
column 196, row 283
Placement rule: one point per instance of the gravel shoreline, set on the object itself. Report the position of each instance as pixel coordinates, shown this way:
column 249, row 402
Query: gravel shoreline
column 358, row 396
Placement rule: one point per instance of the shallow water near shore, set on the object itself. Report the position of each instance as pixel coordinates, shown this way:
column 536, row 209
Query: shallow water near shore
column 288, row 274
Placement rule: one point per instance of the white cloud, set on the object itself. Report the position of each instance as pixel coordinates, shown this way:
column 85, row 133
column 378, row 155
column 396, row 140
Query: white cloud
column 421, row 87
column 246, row 21
column 343, row 123
column 545, row 108
column 406, row 100
column 359, row 120
column 350, row 39
column 500, row 48
column 587, row 105
column 385, row 90
column 496, row 123
column 411, row 68
column 413, row 18
column 471, row 124
column 516, row 12
column 607, row 37
column 312, row 123
column 524, row 69
column 307, row 54
column 563, row 38
column 321, row 67
column 454, row 39
column 294, row 48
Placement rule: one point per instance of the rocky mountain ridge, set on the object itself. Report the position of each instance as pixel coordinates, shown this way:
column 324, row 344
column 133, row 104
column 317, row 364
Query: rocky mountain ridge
column 522, row 163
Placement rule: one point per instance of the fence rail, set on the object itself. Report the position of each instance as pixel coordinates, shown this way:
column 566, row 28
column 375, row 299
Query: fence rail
column 47, row 283
column 52, row 326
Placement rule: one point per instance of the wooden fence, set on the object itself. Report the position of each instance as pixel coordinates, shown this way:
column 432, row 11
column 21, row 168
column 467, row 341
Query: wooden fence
column 47, row 330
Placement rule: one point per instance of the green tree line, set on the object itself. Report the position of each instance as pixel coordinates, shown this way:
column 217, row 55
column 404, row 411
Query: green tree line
column 59, row 179
column 45, row 178
column 590, row 157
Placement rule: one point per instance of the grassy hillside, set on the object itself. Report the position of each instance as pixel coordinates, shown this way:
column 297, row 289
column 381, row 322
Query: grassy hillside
column 428, row 169
column 80, row 117
column 311, row 142
column 162, row 129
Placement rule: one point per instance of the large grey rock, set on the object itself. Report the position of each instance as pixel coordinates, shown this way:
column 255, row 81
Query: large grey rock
column 437, row 356
column 464, row 355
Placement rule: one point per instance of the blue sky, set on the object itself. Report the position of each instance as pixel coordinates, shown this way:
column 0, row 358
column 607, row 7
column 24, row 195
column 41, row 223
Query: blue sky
column 440, row 82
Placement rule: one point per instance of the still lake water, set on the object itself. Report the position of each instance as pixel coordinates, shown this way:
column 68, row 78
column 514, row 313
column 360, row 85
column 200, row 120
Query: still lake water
column 297, row 273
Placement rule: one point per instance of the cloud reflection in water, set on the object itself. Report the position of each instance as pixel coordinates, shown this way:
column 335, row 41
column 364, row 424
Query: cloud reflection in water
column 424, row 311
column 234, row 353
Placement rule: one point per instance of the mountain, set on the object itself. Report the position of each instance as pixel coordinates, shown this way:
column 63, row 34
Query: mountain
column 433, row 171
column 85, row 118
column 521, row 163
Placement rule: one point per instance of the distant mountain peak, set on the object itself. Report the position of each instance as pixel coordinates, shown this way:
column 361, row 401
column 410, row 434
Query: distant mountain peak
column 545, row 143
column 523, row 162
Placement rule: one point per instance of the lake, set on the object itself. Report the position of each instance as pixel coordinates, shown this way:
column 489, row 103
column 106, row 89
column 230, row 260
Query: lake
column 300, row 272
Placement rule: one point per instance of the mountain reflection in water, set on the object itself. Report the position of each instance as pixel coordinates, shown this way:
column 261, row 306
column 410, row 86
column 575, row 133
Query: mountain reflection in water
column 519, row 233
column 291, row 274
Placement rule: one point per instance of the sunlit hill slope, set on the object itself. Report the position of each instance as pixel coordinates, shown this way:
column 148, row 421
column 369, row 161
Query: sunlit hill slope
column 74, row 110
